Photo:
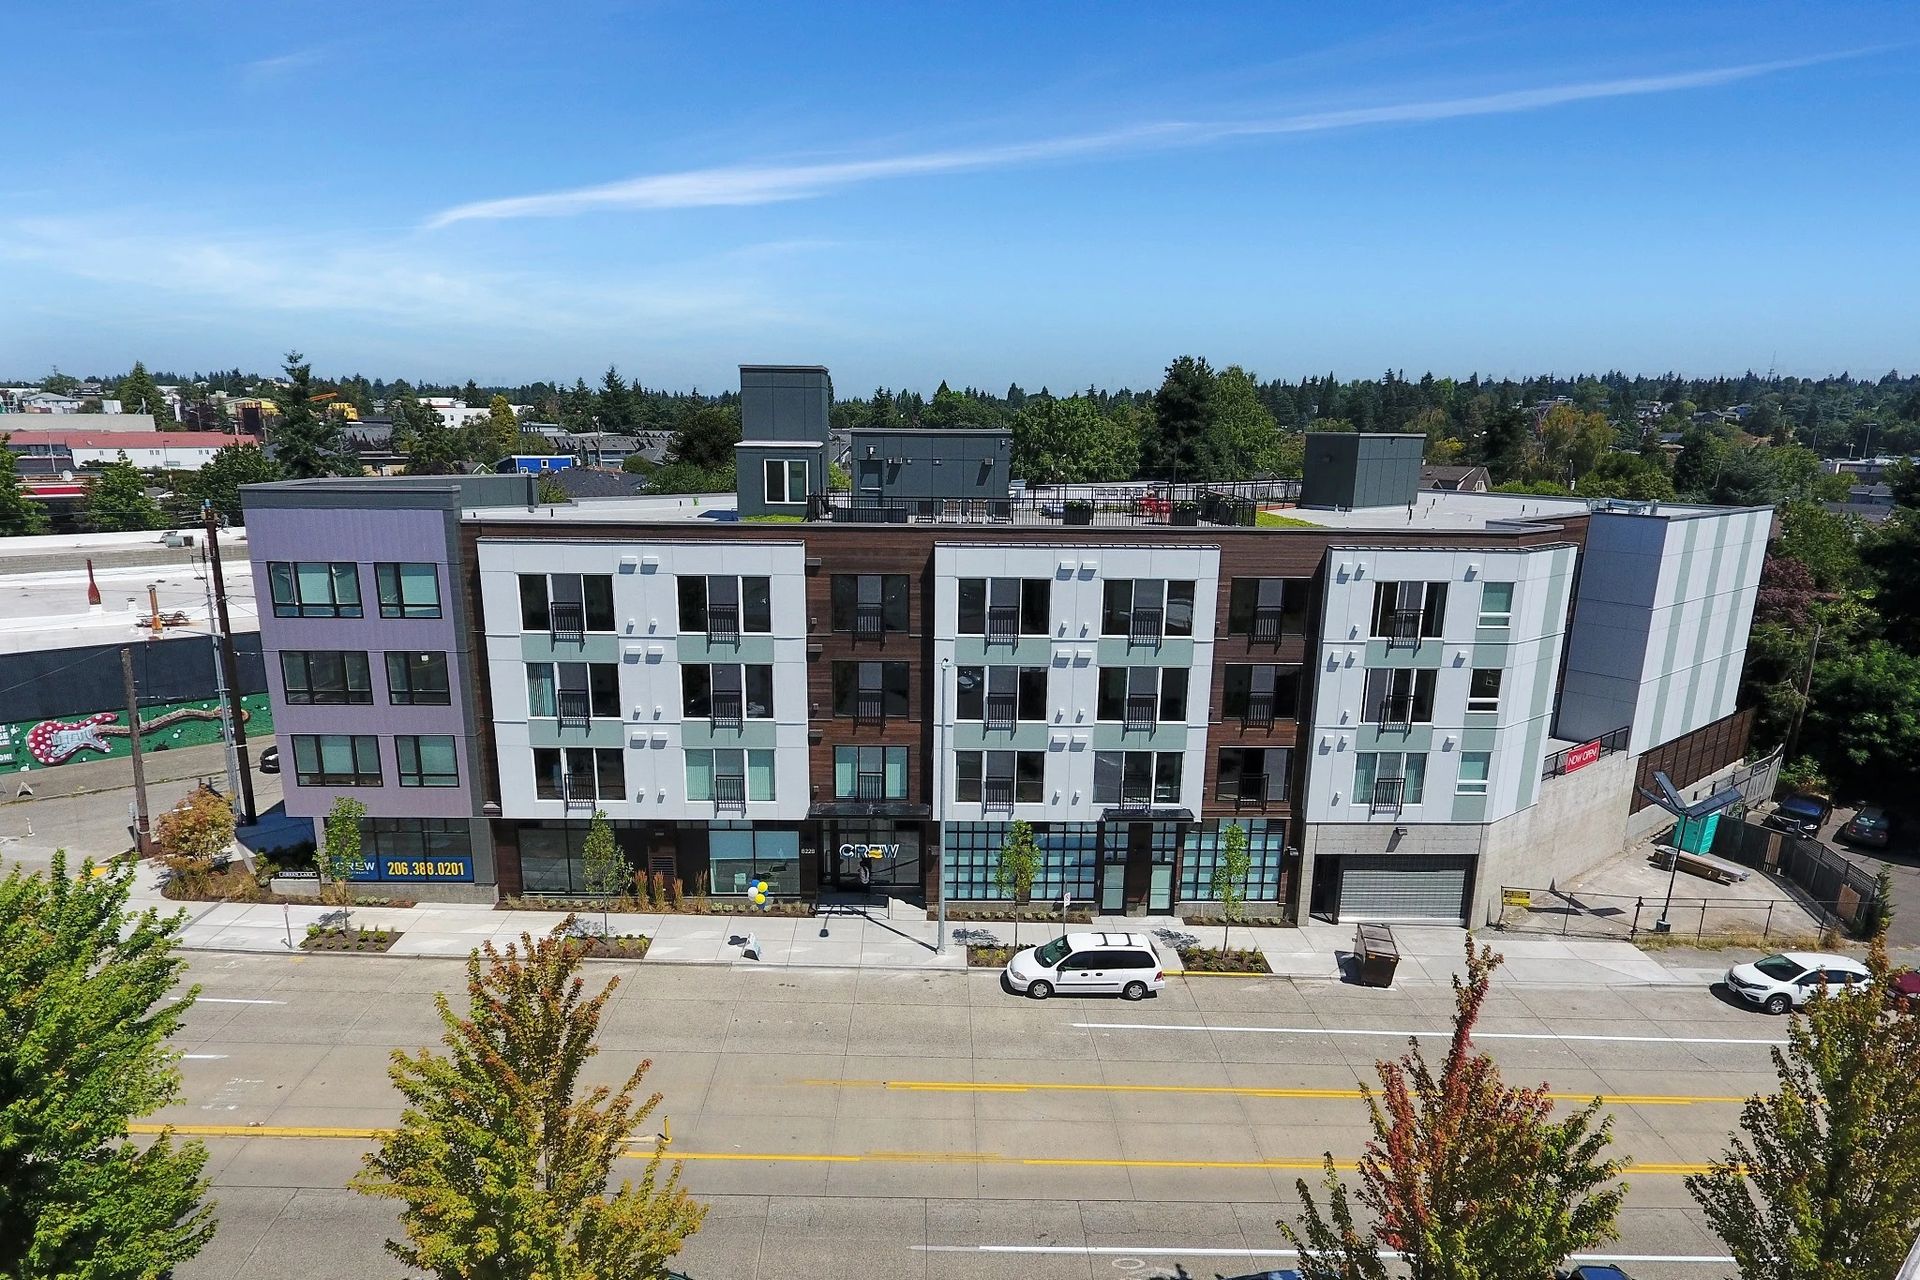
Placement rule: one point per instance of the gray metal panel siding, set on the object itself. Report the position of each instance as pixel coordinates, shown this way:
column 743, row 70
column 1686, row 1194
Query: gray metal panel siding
column 779, row 403
column 932, row 464
column 1348, row 469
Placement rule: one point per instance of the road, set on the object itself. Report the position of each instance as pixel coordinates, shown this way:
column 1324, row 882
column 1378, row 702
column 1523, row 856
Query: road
column 873, row 1123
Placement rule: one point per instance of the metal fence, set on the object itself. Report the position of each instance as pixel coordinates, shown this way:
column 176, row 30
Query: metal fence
column 1842, row 888
column 1101, row 506
column 1627, row 917
column 1608, row 743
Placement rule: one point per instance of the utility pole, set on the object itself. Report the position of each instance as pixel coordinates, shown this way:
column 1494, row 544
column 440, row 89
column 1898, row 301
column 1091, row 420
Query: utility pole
column 223, row 690
column 1806, row 690
column 236, row 723
column 939, row 781
column 142, row 832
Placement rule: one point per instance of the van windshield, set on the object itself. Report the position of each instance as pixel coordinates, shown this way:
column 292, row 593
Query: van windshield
column 1052, row 953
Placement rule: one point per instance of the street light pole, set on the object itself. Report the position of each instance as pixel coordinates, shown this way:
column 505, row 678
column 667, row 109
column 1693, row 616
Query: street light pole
column 939, row 795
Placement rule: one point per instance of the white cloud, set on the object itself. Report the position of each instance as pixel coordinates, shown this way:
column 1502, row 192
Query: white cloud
column 749, row 184
column 263, row 69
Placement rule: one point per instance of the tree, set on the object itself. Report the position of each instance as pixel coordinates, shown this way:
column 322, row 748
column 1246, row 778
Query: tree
column 1825, row 1182
column 1019, row 864
column 1506, row 447
column 1466, row 1177
column 1183, row 414
column 200, row 826
column 1865, row 716
column 1072, row 442
column 706, row 437
column 1244, row 440
column 1230, row 871
column 339, row 853
column 305, row 437
column 85, row 1012
column 501, row 1160
column 1571, row 442
column 494, row 438
column 19, row 514
column 1827, row 543
column 604, row 866
column 684, row 477
column 432, row 447
column 60, row 384
column 550, row 491
column 138, row 393
column 613, row 405
column 117, row 500
column 1629, row 476
column 218, row 482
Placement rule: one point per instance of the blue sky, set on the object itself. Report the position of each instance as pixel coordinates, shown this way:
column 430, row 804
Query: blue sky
column 1056, row 194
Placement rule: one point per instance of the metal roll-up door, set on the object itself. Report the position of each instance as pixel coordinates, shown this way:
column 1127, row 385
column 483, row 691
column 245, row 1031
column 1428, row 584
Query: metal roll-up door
column 1426, row 889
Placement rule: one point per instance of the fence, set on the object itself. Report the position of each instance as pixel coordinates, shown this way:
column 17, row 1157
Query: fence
column 1843, row 889
column 1627, row 917
column 1693, row 756
column 1584, row 754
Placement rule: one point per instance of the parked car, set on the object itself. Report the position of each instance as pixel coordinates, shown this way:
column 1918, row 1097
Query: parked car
column 1800, row 813
column 270, row 760
column 1122, row 964
column 1590, row 1271
column 1903, row 989
column 1788, row 980
column 1268, row 1275
column 1871, row 826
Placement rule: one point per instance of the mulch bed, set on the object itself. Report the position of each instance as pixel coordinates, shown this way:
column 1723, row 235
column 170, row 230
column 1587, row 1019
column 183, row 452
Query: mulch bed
column 1215, row 960
column 234, row 883
column 990, row 957
column 1037, row 915
column 359, row 940
column 631, row 946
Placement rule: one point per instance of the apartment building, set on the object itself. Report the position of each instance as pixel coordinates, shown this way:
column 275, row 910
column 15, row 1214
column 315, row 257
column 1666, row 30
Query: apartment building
column 866, row 698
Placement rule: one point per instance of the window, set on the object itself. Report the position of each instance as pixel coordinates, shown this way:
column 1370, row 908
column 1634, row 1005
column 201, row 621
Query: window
column 581, row 776
column 1387, row 779
column 1474, row 766
column 738, row 855
column 1398, row 697
column 315, row 588
column 724, row 606
column 870, row 690
column 870, row 773
column 408, row 590
column 1406, row 612
column 313, row 677
column 567, row 604
column 786, row 481
column 1496, row 604
column 417, row 680
column 336, row 760
column 729, row 777
column 1259, row 693
column 574, row 691
column 1254, row 775
column 870, row 604
column 1266, row 856
column 1000, row 695
column 727, row 693
column 540, row 691
column 1136, row 779
column 1145, row 609
column 1142, row 696
column 1000, row 779
column 1483, row 692
column 1069, row 860
column 426, row 761
column 1004, row 608
column 1254, row 608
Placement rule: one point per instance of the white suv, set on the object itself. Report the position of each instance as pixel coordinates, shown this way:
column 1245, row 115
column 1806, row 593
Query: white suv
column 1122, row 964
column 1781, row 982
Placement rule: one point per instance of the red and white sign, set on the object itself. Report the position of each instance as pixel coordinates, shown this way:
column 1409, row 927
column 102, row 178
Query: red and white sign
column 1583, row 755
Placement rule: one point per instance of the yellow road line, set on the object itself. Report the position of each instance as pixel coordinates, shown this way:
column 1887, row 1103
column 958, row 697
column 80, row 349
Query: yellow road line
column 864, row 1157
column 1243, row 1091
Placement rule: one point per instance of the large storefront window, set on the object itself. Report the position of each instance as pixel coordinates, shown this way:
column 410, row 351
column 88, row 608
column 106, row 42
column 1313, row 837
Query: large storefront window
column 415, row 849
column 1069, row 860
column 1266, row 852
column 740, row 854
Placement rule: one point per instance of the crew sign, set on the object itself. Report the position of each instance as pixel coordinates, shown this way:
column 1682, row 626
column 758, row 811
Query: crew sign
column 874, row 851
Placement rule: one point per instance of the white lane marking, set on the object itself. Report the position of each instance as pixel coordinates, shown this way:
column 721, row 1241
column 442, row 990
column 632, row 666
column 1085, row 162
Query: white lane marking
column 1442, row 1035
column 1084, row 1250
column 202, row 1057
column 233, row 1000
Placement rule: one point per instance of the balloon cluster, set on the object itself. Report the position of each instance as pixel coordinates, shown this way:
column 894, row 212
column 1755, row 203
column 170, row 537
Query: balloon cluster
column 757, row 893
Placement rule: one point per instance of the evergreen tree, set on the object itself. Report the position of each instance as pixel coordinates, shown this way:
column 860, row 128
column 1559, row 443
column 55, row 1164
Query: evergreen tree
column 306, row 438
column 19, row 514
column 1183, row 414
column 493, row 439
column 432, row 447
column 138, row 393
column 706, row 438
column 219, row 481
column 613, row 407
column 85, row 1012
column 471, row 395
column 117, row 500
column 502, row 1157
column 880, row 411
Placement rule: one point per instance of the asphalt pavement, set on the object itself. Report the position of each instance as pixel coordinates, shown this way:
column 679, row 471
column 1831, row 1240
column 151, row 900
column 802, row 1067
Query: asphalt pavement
column 846, row 1123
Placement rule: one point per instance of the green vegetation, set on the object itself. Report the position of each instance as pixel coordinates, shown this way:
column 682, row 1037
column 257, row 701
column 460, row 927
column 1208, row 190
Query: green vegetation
column 1274, row 520
column 118, row 502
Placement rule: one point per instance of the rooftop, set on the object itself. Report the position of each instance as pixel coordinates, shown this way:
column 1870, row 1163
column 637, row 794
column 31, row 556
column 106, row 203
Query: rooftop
column 43, row 602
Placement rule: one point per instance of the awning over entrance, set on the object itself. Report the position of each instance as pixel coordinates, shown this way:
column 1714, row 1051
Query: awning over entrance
column 1147, row 814
column 870, row 809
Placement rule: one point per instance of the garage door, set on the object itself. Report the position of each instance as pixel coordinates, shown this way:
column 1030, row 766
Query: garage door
column 1404, row 889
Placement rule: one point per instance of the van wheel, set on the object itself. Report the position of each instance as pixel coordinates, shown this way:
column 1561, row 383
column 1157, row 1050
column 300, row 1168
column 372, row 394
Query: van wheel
column 1134, row 991
column 1040, row 989
column 1777, row 1004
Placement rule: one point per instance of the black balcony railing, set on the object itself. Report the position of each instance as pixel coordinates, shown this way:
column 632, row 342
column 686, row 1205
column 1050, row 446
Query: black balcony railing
column 997, row 794
column 574, row 707
column 727, row 710
column 870, row 786
column 578, row 791
column 1580, row 756
column 1145, row 625
column 870, row 705
column 1389, row 795
column 1002, row 710
column 567, row 621
column 1403, row 629
column 1003, row 624
column 723, row 623
column 1228, row 504
column 1395, row 714
column 1253, row 789
column 869, row 622
column 730, row 792
column 1266, row 625
column 1142, row 710
column 1258, row 712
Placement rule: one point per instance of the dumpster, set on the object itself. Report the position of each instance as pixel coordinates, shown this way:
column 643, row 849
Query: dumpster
column 1377, row 953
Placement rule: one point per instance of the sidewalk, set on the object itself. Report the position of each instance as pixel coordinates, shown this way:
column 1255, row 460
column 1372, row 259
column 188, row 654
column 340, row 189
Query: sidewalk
column 853, row 938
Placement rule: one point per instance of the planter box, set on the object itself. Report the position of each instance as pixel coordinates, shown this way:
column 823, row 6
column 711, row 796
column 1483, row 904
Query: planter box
column 1077, row 513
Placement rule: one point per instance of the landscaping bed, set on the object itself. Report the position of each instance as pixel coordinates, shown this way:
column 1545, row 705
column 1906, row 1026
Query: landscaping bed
column 981, row 957
column 624, row 946
column 322, row 938
column 1222, row 960
column 191, row 880
column 691, row 906
column 1022, row 915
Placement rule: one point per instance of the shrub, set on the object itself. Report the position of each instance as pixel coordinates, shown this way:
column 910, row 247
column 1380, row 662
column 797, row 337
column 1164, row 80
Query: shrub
column 200, row 826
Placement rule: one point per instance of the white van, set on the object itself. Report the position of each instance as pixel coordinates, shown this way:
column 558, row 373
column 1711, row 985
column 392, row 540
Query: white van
column 1122, row 964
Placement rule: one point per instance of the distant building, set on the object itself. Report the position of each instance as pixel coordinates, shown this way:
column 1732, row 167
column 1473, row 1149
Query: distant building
column 1456, row 479
column 51, row 453
column 87, row 423
column 1872, row 503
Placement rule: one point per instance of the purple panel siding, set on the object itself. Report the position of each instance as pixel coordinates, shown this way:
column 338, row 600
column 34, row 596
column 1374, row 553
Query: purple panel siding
column 366, row 538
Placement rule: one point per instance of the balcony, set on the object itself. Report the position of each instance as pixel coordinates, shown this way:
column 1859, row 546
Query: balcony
column 1389, row 795
column 723, row 624
column 1145, row 626
column 1002, row 710
column 1003, row 624
column 567, row 622
column 728, row 712
column 869, row 622
column 1403, row 629
column 730, row 792
column 870, row 786
column 573, row 707
column 1142, row 710
column 1395, row 714
column 870, row 706
column 1253, row 791
column 1266, row 625
column 1258, row 713
column 578, row 791
column 997, row 794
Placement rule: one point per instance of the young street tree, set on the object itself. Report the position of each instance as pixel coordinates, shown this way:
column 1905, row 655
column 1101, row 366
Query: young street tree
column 1230, row 871
column 339, row 852
column 602, row 863
column 117, row 500
column 1825, row 1182
column 19, row 514
column 1018, row 866
column 85, row 1013
column 500, row 1161
column 1465, row 1177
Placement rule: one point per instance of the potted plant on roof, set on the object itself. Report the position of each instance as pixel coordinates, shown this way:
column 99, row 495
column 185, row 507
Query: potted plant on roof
column 1186, row 512
column 1078, row 511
